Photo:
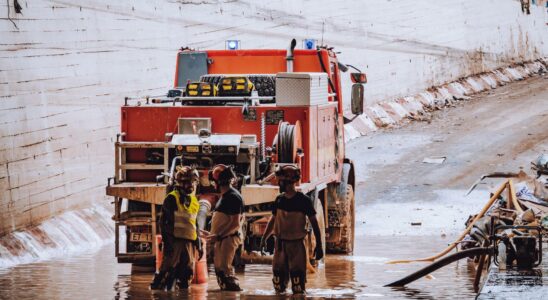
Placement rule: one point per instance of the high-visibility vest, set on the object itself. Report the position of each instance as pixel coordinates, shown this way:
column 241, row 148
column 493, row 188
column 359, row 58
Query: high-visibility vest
column 185, row 217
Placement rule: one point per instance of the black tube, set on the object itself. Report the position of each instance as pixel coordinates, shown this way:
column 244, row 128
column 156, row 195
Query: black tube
column 441, row 263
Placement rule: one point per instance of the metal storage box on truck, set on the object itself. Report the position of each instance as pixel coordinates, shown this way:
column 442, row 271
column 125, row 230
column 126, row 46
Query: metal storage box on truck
column 301, row 89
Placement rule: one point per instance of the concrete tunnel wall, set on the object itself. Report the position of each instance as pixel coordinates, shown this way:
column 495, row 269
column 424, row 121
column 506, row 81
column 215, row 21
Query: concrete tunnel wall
column 65, row 67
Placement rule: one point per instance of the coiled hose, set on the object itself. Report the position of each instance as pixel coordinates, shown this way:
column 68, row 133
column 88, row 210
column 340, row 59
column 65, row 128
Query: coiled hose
column 286, row 138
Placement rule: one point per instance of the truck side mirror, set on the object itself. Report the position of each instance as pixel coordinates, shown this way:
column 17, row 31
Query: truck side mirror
column 358, row 77
column 357, row 98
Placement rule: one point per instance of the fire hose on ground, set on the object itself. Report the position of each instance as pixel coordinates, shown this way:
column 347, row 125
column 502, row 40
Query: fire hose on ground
column 441, row 263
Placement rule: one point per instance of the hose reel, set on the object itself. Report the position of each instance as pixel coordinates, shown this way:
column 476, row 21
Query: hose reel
column 287, row 141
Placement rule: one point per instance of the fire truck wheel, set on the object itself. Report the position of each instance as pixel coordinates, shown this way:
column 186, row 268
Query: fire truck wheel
column 345, row 213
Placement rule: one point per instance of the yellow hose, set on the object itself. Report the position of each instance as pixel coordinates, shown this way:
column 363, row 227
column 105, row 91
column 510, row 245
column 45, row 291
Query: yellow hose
column 463, row 234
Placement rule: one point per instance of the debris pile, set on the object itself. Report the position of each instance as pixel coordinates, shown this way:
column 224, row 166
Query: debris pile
column 506, row 232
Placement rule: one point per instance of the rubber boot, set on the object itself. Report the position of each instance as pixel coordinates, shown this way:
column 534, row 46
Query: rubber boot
column 280, row 282
column 221, row 279
column 185, row 279
column 157, row 281
column 170, row 280
column 183, row 284
column 298, row 280
column 232, row 284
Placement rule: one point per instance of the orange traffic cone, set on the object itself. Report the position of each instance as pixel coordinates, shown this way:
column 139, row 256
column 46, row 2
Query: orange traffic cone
column 159, row 253
column 200, row 268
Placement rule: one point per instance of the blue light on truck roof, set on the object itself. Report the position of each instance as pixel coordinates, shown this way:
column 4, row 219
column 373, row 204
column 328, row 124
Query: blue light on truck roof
column 233, row 44
column 309, row 44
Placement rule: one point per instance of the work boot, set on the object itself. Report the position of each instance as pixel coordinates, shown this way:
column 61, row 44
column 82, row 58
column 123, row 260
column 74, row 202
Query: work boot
column 170, row 280
column 185, row 279
column 157, row 281
column 221, row 279
column 280, row 282
column 232, row 284
column 298, row 280
column 183, row 284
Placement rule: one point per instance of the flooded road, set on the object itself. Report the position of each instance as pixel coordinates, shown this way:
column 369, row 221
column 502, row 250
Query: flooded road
column 501, row 130
column 98, row 276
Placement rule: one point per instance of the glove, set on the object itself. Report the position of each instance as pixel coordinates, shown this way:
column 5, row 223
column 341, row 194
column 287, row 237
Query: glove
column 199, row 248
column 262, row 246
column 318, row 252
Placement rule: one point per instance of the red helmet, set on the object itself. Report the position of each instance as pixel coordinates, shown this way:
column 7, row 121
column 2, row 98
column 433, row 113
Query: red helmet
column 221, row 174
column 186, row 174
column 289, row 173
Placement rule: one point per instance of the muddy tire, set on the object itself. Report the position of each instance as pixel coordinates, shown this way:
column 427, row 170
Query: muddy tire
column 341, row 220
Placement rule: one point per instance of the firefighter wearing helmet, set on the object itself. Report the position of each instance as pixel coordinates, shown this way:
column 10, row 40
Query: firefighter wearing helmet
column 226, row 227
column 288, row 224
column 179, row 233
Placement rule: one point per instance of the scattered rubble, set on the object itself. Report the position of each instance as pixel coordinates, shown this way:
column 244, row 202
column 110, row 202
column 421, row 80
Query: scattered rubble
column 506, row 233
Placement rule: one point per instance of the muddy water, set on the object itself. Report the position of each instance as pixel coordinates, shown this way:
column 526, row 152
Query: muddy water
column 96, row 275
column 383, row 233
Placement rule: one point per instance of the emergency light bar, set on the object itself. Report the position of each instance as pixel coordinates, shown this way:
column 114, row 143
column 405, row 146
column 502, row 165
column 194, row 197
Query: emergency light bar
column 232, row 44
column 309, row 44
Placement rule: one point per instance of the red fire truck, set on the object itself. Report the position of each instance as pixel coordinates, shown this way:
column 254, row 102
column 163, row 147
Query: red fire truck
column 254, row 110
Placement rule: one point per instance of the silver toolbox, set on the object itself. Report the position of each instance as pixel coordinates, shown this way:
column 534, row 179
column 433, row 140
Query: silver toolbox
column 301, row 89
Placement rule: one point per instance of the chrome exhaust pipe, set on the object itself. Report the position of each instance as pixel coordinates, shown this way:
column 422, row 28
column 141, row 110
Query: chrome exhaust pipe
column 289, row 58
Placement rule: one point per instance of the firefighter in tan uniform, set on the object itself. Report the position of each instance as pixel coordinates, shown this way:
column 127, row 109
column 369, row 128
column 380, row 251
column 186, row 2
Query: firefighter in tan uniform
column 288, row 224
column 179, row 233
column 226, row 227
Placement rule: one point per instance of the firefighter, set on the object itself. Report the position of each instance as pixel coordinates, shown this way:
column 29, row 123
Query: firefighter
column 288, row 224
column 179, row 233
column 226, row 227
